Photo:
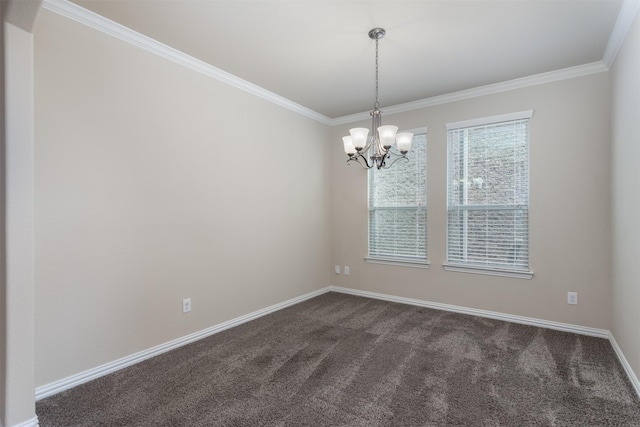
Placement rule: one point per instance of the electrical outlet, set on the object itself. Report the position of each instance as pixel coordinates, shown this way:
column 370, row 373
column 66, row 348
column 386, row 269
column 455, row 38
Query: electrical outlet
column 346, row 270
column 186, row 305
column 572, row 298
column 337, row 269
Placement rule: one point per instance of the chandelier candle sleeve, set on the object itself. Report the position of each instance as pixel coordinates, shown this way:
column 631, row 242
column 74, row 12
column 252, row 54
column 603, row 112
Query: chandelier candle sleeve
column 404, row 141
column 387, row 135
column 348, row 145
column 359, row 137
column 378, row 144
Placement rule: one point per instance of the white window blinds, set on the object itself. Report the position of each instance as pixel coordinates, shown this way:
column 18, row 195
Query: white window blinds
column 398, row 206
column 488, row 193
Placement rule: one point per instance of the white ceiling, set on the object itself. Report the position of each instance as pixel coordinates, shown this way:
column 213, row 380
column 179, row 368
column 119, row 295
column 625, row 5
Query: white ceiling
column 318, row 53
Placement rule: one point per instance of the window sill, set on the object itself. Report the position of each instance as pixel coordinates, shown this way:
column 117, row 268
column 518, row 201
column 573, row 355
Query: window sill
column 398, row 261
column 492, row 271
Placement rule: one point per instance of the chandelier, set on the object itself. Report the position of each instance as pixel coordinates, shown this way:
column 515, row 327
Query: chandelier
column 381, row 140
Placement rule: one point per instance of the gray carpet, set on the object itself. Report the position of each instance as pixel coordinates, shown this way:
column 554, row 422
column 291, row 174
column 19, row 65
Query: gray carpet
column 341, row 360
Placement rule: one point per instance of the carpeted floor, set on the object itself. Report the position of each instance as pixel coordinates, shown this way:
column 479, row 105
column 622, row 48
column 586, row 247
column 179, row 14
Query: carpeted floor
column 341, row 360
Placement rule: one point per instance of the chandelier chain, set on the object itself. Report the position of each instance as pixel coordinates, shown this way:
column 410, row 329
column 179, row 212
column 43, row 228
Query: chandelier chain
column 377, row 104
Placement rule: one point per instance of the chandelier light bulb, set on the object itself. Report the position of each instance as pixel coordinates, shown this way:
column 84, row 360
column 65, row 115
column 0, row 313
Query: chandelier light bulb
column 387, row 135
column 359, row 137
column 348, row 145
column 403, row 140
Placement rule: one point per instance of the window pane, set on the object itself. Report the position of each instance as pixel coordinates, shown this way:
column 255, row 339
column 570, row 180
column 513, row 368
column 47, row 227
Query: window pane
column 497, row 237
column 404, row 184
column 397, row 206
column 398, row 232
column 488, row 195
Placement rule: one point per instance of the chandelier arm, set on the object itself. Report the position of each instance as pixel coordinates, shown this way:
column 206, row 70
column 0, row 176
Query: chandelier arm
column 357, row 158
column 379, row 148
column 387, row 166
column 367, row 146
column 376, row 121
column 396, row 153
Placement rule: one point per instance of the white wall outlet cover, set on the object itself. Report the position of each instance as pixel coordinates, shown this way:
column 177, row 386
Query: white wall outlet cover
column 572, row 298
column 186, row 305
column 346, row 270
column 337, row 269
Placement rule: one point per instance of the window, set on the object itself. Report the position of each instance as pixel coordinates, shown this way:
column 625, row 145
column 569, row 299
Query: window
column 398, row 209
column 488, row 195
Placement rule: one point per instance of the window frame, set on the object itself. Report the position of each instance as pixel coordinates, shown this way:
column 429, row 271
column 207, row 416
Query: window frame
column 399, row 260
column 477, row 268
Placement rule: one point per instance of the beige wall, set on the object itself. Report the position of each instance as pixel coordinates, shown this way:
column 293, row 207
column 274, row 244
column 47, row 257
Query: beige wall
column 569, row 211
column 626, row 196
column 154, row 183
column 133, row 214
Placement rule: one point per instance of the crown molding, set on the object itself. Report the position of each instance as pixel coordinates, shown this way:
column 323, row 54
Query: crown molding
column 625, row 19
column 100, row 23
column 537, row 79
column 93, row 20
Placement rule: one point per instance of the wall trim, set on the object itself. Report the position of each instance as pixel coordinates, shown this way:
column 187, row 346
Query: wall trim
column 33, row 422
column 625, row 364
column 102, row 370
column 100, row 23
column 472, row 269
column 566, row 327
column 537, row 79
column 625, row 19
column 107, row 26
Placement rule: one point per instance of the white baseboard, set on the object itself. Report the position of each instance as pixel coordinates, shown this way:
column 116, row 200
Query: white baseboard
column 83, row 377
column 102, row 370
column 33, row 422
column 567, row 327
column 625, row 364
